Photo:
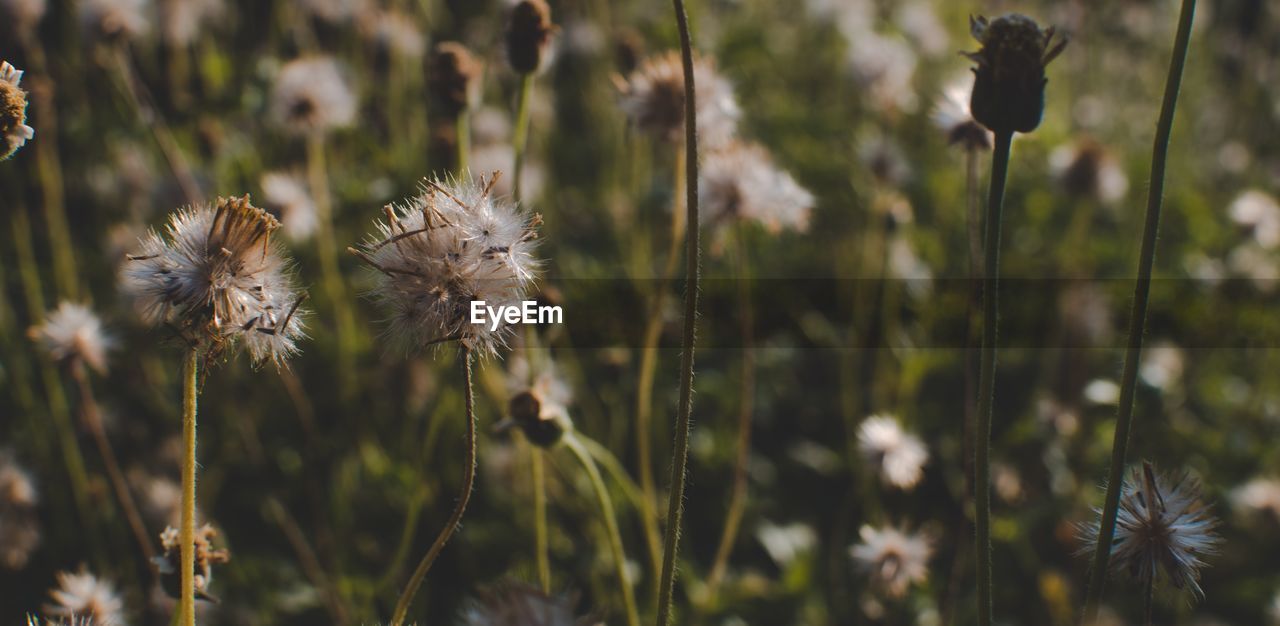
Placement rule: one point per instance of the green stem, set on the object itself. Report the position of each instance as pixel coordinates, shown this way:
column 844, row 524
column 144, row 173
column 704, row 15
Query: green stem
column 335, row 289
column 1138, row 315
column 463, row 132
column 186, row 534
column 520, row 142
column 987, row 375
column 680, row 453
column 611, row 525
column 540, row 518
column 468, row 480
column 614, row 468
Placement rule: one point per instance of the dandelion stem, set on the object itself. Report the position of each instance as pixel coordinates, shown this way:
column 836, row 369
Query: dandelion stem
column 468, row 480
column 680, row 453
column 987, row 374
column 521, row 139
column 186, row 534
column 463, row 131
column 335, row 290
column 1148, row 601
column 540, row 518
column 1138, row 315
column 611, row 525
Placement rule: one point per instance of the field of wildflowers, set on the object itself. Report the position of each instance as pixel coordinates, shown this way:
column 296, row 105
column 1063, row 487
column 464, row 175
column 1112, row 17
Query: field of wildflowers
column 873, row 312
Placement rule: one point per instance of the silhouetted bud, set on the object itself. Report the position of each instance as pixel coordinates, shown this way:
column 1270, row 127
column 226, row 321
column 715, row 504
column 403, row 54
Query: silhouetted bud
column 1008, row 93
column 529, row 31
column 454, row 77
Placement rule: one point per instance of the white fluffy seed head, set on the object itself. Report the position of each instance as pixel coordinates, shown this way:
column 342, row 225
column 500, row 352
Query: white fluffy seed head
column 216, row 275
column 115, row 19
column 83, row 595
column 894, row 559
column 19, row 521
column 73, row 331
column 740, row 181
column 288, row 194
column 14, row 131
column 899, row 456
column 653, row 99
column 312, row 96
column 518, row 604
column 450, row 245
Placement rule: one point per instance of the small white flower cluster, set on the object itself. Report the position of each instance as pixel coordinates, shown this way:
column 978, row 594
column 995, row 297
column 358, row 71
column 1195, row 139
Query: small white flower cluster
column 893, row 558
column 217, row 276
column 515, row 604
column 450, row 245
column 653, row 98
column 312, row 96
column 898, row 456
column 741, row 181
column 73, row 331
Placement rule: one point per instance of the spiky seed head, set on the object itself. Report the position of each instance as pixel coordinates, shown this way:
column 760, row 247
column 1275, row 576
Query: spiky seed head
column 893, row 558
column 14, row 131
column 83, row 595
column 539, row 400
column 72, row 331
column 438, row 251
column 218, row 278
column 897, row 455
column 168, row 564
column 653, row 99
column 311, row 95
column 529, row 34
column 453, row 78
column 1008, row 91
column 1163, row 529
column 518, row 604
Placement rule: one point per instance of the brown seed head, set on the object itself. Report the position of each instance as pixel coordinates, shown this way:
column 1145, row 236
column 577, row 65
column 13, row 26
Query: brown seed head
column 529, row 32
column 454, row 77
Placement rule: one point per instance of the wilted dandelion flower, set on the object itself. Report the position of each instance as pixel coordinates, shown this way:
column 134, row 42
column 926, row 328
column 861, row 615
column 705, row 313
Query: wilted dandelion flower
column 528, row 35
column 540, row 398
column 452, row 244
column 19, row 525
column 169, row 563
column 893, row 558
column 1086, row 169
column 73, row 331
column 898, row 455
column 518, row 604
column 653, row 98
column 1161, row 525
column 83, row 595
column 740, row 181
column 13, row 111
column 311, row 96
column 218, row 278
column 454, row 78
column 115, row 19
column 1008, row 93
column 951, row 115
column 1257, row 212
column 288, row 194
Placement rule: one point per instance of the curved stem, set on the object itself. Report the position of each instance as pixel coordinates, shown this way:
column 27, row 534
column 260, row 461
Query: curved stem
column 540, row 518
column 614, row 468
column 468, row 480
column 611, row 525
column 680, row 452
column 186, row 534
column 520, row 142
column 1138, row 315
column 986, row 380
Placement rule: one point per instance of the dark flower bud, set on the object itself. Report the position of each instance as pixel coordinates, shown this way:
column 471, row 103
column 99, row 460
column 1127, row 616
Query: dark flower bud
column 541, row 428
column 454, row 77
column 1008, row 93
column 529, row 31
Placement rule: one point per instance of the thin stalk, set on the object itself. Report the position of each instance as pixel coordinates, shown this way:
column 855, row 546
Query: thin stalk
column 614, row 468
column 521, row 140
column 680, row 454
column 187, row 532
column 1138, row 315
column 144, row 105
column 468, row 480
column 540, row 518
column 1148, row 600
column 93, row 419
column 610, row 523
column 463, row 132
column 987, row 376
column 335, row 289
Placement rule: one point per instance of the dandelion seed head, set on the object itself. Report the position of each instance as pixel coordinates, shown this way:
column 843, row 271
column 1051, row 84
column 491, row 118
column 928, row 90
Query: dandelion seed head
column 311, row 95
column 73, row 331
column 14, row 131
column 116, row 19
column 528, row 36
column 83, row 595
column 19, row 524
column 1163, row 529
column 454, row 78
column 652, row 97
column 452, row 244
column 287, row 193
column 885, row 65
column 740, row 181
column 518, row 604
column 893, row 558
column 217, row 276
column 898, row 455
column 1259, row 213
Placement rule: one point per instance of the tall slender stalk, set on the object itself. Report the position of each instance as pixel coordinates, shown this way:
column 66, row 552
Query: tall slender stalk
column 468, row 480
column 144, row 105
column 540, row 518
column 1138, row 315
column 187, row 532
column 520, row 142
column 987, row 375
column 335, row 289
column 610, row 523
column 463, row 132
column 680, row 452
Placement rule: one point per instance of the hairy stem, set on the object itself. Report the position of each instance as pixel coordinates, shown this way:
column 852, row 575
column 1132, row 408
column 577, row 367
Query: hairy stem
column 680, row 452
column 521, row 139
column 468, row 480
column 1138, row 315
column 463, row 131
column 187, row 532
column 540, row 518
column 611, row 525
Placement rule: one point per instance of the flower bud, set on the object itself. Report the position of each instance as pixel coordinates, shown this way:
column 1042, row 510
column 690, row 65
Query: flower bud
column 1008, row 93
column 529, row 31
column 454, row 77
column 541, row 428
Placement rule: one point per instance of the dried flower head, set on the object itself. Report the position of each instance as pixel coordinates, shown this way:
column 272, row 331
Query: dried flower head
column 311, row 95
column 169, row 563
column 951, row 115
column 450, row 245
column 540, row 398
column 84, row 596
column 216, row 276
column 529, row 34
column 898, row 456
column 19, row 525
column 454, row 78
column 14, row 131
column 115, row 19
column 287, row 193
column 741, row 182
column 1008, row 92
column 1086, row 169
column 653, row 98
column 73, row 331
column 518, row 604
column 893, row 558
column 1161, row 525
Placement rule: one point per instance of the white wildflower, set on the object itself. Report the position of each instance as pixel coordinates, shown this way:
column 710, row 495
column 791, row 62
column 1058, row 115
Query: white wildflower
column 73, row 331
column 894, row 559
column 653, row 99
column 311, row 95
column 898, row 456
column 288, row 194
column 83, row 595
